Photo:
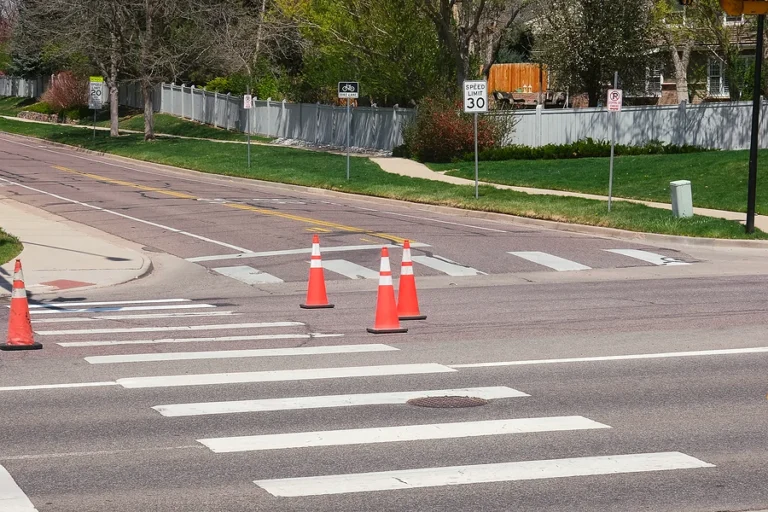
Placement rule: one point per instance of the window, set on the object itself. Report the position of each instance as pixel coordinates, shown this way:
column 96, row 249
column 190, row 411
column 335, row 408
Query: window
column 734, row 20
column 717, row 83
column 653, row 81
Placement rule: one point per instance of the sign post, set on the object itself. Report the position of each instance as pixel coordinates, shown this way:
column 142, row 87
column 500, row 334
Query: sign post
column 615, row 97
column 348, row 90
column 476, row 102
column 248, row 105
column 95, row 91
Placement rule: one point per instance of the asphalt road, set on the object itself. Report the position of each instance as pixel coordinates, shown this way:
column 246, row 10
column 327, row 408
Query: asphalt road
column 580, row 425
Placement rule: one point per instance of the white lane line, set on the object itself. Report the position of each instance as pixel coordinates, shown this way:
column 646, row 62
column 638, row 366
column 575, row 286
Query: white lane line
column 481, row 473
column 72, row 304
column 551, row 261
column 321, row 402
column 59, row 386
column 136, row 317
column 662, row 355
column 248, row 275
column 258, row 337
column 233, row 354
column 447, row 266
column 118, row 309
column 429, row 219
column 398, row 434
column 213, row 327
column 324, row 250
column 154, row 224
column 650, row 257
column 350, row 270
column 282, row 375
column 12, row 498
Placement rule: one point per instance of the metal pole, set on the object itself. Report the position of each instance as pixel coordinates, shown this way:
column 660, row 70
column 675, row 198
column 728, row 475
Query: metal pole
column 248, row 125
column 348, row 139
column 613, row 144
column 94, row 124
column 477, row 176
column 757, row 94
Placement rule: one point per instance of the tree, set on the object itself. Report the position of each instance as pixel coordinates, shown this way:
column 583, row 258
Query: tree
column 583, row 42
column 677, row 28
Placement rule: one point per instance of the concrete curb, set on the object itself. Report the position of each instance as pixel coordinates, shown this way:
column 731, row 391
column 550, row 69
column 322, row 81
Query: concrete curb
column 499, row 217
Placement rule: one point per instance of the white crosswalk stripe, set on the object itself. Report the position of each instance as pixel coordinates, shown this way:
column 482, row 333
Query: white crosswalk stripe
column 252, row 337
column 81, row 304
column 447, row 266
column 248, row 275
column 212, row 327
column 116, row 309
column 145, row 316
column 551, row 261
column 350, row 270
column 650, row 257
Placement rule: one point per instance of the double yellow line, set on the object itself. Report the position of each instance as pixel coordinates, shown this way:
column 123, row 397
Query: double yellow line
column 244, row 207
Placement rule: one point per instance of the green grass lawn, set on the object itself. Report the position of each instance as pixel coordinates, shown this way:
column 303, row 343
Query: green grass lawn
column 10, row 247
column 718, row 178
column 323, row 170
column 11, row 105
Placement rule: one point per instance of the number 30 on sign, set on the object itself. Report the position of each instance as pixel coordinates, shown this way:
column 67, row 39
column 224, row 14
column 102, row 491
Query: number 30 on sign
column 475, row 96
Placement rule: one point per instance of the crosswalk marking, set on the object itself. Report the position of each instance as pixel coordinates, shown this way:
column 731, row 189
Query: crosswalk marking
column 110, row 309
column 350, row 270
column 248, row 275
column 255, row 337
column 147, row 316
column 482, row 473
column 650, row 257
column 59, row 386
column 80, row 304
column 551, row 261
column 12, row 498
column 231, row 354
column 307, row 250
column 320, row 402
column 397, row 434
column 447, row 266
column 282, row 375
column 213, row 327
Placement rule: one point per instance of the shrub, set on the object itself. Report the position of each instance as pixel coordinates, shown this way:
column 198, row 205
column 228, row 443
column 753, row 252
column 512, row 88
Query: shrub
column 218, row 84
column 67, row 91
column 441, row 132
column 41, row 108
column 584, row 148
column 77, row 113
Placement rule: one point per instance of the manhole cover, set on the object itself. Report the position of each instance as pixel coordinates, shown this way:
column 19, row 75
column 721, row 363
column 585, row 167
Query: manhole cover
column 448, row 402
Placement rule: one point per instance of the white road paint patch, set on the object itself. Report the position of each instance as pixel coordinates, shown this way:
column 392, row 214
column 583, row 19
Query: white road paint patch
column 136, row 317
column 80, row 304
column 650, row 257
column 135, row 219
column 399, row 434
column 118, row 309
column 255, row 337
column 59, row 386
column 248, row 275
column 234, row 354
column 446, row 222
column 99, row 453
column 213, row 327
column 350, row 270
column 447, row 266
column 662, row 355
column 282, row 375
column 321, row 402
column 12, row 498
column 551, row 261
column 482, row 473
column 288, row 252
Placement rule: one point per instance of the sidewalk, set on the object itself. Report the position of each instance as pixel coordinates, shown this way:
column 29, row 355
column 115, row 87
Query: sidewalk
column 61, row 255
column 405, row 167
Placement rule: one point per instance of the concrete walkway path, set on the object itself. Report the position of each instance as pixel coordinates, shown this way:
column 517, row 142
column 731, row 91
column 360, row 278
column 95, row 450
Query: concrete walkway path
column 61, row 255
column 410, row 168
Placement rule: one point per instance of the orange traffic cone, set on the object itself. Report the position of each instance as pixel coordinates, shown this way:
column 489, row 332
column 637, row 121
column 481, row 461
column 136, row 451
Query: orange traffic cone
column 407, row 300
column 19, row 324
column 386, row 309
column 316, row 296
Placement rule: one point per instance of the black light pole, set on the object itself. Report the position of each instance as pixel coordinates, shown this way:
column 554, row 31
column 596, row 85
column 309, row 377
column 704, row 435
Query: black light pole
column 751, row 192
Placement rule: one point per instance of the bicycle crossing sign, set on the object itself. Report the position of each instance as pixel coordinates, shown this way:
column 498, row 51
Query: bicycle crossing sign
column 349, row 90
column 475, row 96
column 95, row 93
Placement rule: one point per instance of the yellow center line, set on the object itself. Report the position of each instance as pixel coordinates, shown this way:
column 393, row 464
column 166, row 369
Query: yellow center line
column 245, row 207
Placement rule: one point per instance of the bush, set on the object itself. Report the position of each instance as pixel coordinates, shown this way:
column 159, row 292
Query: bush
column 66, row 92
column 585, row 148
column 41, row 108
column 441, row 132
column 77, row 113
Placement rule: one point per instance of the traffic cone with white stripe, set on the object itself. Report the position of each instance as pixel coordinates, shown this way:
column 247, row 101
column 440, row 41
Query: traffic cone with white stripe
column 20, row 335
column 407, row 300
column 386, row 310
column 316, row 295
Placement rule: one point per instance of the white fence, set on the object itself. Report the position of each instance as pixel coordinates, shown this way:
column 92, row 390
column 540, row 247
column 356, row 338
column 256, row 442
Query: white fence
column 712, row 125
column 22, row 87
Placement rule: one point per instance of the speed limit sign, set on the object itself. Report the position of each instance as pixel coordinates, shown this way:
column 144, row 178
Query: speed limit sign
column 95, row 93
column 475, row 96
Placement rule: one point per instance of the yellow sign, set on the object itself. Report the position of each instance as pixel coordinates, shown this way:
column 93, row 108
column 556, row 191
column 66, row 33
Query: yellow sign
column 737, row 7
column 97, row 79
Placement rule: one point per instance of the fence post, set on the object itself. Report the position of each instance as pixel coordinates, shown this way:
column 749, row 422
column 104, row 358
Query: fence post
column 317, row 120
column 282, row 117
column 192, row 95
column 538, row 129
column 215, row 109
column 393, row 134
column 226, row 125
column 269, row 118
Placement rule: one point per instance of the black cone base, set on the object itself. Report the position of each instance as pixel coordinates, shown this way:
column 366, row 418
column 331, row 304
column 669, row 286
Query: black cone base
column 33, row 346
column 312, row 306
column 386, row 331
column 417, row 317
